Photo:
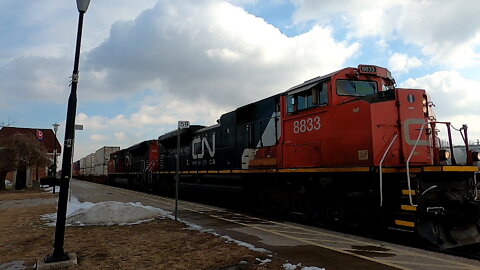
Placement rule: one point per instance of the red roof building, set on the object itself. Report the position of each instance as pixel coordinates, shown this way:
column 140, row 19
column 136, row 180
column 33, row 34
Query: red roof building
column 44, row 136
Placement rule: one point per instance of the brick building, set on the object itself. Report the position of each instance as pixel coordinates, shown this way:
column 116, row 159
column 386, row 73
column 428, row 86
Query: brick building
column 44, row 136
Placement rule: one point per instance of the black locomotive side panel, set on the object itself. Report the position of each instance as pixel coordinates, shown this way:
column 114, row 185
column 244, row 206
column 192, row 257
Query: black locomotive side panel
column 257, row 126
column 137, row 156
column 118, row 160
column 221, row 146
column 213, row 148
column 226, row 141
column 168, row 148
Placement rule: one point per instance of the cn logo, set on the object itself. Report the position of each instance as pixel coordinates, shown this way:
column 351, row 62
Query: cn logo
column 39, row 135
column 204, row 142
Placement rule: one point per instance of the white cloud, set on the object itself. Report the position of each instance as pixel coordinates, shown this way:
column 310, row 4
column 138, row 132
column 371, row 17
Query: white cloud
column 382, row 45
column 190, row 49
column 211, row 50
column 455, row 97
column 165, row 113
column 45, row 33
column 98, row 137
column 148, row 122
column 362, row 18
column 34, row 78
column 446, row 31
column 120, row 136
column 400, row 62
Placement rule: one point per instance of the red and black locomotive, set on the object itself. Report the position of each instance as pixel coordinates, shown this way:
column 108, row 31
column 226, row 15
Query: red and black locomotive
column 347, row 147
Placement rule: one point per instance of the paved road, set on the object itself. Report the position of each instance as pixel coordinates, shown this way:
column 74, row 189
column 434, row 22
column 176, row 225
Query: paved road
column 296, row 243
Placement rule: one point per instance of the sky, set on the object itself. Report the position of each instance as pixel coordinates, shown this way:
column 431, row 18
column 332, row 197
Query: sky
column 146, row 64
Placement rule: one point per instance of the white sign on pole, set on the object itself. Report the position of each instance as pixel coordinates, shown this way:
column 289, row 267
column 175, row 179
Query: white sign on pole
column 183, row 124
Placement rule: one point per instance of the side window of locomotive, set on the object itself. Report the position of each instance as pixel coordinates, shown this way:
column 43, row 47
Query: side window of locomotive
column 356, row 88
column 310, row 98
column 291, row 104
column 322, row 95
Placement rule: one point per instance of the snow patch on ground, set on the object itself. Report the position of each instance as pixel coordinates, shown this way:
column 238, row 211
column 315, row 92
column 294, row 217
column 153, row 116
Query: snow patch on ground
column 262, row 262
column 227, row 238
column 15, row 265
column 289, row 266
column 243, row 244
column 50, row 189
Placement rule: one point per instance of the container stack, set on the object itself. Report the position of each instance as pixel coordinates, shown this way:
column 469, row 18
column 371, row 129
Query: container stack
column 102, row 156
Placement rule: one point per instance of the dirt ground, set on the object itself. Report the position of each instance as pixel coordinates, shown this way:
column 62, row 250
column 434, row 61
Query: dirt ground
column 160, row 244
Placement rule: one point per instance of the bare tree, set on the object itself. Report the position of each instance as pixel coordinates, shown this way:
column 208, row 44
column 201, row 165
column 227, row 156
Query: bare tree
column 20, row 152
column 6, row 124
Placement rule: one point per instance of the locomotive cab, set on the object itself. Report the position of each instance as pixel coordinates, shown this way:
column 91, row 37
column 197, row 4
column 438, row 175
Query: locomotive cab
column 321, row 114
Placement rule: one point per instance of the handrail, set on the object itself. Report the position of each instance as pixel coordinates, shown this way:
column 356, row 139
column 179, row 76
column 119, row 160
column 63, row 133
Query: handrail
column 408, row 165
column 380, row 165
column 150, row 165
column 476, row 186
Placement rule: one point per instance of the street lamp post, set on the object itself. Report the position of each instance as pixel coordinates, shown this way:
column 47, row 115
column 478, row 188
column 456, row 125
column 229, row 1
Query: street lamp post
column 58, row 253
column 55, row 128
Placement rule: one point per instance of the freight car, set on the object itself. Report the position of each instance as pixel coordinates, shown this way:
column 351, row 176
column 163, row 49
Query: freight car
column 348, row 147
column 94, row 166
column 134, row 166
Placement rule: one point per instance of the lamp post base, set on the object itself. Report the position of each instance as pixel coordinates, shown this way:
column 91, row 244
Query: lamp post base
column 57, row 262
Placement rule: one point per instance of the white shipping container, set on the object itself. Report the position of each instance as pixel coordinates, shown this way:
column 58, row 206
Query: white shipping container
column 89, row 162
column 100, row 170
column 82, row 163
column 102, row 155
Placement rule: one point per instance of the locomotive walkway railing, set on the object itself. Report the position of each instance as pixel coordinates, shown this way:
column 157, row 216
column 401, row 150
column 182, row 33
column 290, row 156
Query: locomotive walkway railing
column 380, row 169
column 432, row 123
column 476, row 186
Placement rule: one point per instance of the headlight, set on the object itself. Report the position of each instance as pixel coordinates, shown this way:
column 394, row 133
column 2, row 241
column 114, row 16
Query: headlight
column 475, row 156
column 444, row 155
column 425, row 105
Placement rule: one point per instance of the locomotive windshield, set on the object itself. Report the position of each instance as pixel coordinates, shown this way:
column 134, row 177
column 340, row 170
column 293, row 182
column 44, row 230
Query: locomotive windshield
column 356, row 88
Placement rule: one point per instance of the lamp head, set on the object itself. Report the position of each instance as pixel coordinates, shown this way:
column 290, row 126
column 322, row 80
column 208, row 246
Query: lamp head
column 55, row 126
column 82, row 5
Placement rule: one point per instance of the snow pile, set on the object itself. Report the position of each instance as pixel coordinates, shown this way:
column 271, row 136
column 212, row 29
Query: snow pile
column 50, row 189
column 289, row 266
column 107, row 213
column 15, row 265
column 112, row 213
